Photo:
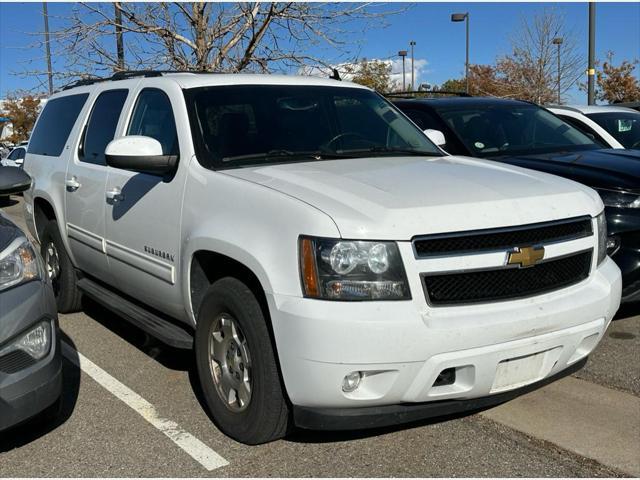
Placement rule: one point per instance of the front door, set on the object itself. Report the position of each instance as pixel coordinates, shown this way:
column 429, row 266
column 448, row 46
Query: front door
column 143, row 217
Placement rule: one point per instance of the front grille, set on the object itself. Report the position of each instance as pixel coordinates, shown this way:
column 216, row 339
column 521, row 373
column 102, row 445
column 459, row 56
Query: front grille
column 506, row 283
column 503, row 239
column 15, row 361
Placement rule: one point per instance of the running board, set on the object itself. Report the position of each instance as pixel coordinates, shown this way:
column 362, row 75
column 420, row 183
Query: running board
column 149, row 322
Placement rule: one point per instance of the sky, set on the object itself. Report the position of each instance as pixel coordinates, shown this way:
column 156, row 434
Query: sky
column 440, row 44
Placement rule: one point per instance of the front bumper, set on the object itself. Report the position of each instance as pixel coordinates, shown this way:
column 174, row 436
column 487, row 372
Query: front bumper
column 30, row 390
column 403, row 346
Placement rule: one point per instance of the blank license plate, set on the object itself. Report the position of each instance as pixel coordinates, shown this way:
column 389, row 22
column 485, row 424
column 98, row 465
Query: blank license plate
column 517, row 372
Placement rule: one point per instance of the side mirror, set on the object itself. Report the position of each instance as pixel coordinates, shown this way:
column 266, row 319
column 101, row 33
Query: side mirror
column 139, row 154
column 13, row 180
column 436, row 136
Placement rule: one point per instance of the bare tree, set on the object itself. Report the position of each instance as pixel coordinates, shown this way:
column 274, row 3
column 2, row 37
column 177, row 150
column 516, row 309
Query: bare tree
column 221, row 37
column 530, row 71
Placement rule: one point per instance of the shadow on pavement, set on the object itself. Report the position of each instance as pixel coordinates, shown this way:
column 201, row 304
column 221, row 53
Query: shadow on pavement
column 7, row 201
column 41, row 425
column 168, row 357
column 628, row 310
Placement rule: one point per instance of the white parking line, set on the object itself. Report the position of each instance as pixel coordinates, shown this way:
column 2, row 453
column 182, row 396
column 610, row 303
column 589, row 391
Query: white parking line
column 200, row 452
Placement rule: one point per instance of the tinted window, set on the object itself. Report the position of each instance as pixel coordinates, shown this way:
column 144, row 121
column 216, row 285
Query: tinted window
column 509, row 129
column 153, row 117
column 623, row 126
column 16, row 154
column 244, row 125
column 584, row 128
column 101, row 126
column 55, row 123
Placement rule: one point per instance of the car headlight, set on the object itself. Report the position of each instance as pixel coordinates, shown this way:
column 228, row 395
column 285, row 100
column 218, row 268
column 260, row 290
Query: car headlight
column 36, row 342
column 612, row 198
column 335, row 269
column 601, row 225
column 19, row 263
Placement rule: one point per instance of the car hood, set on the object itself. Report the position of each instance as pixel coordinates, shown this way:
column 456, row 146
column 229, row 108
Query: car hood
column 606, row 168
column 386, row 198
column 8, row 232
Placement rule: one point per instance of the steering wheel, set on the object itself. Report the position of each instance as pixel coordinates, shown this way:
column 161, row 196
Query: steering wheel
column 355, row 135
column 636, row 145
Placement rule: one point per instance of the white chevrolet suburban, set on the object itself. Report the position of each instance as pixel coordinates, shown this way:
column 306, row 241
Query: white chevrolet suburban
column 330, row 266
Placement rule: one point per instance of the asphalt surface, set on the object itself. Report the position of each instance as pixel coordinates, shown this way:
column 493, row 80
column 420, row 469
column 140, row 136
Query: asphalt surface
column 100, row 435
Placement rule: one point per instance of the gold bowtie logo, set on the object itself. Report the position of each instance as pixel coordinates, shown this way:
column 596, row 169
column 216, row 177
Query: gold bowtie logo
column 525, row 256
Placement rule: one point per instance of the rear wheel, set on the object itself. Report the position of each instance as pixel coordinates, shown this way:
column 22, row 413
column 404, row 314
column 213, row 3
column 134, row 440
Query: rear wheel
column 237, row 365
column 59, row 269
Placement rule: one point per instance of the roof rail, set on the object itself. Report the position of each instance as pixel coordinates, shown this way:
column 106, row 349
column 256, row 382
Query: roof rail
column 127, row 74
column 425, row 94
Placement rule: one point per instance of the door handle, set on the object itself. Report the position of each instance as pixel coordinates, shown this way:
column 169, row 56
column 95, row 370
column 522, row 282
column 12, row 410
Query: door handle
column 72, row 184
column 114, row 195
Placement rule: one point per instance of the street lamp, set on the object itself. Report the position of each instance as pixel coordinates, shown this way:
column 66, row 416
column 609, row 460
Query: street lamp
column 403, row 54
column 558, row 41
column 413, row 84
column 459, row 17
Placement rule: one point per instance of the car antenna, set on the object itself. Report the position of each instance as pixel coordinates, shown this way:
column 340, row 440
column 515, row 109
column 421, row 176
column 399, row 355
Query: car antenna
column 335, row 75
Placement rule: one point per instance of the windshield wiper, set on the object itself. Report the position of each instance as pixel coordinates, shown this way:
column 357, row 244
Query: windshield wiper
column 282, row 153
column 391, row 150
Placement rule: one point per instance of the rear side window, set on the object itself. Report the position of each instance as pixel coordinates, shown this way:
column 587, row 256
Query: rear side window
column 55, row 123
column 102, row 125
column 153, row 117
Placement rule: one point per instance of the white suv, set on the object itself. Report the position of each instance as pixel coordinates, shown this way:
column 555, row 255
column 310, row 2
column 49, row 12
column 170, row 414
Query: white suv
column 332, row 268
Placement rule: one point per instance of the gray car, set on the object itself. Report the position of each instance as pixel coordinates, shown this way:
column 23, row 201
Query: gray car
column 30, row 356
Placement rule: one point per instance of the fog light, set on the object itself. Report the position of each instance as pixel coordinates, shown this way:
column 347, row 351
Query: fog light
column 35, row 342
column 351, row 382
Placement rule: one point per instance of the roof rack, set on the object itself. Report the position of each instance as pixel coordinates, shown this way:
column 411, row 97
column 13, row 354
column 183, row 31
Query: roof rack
column 425, row 94
column 125, row 75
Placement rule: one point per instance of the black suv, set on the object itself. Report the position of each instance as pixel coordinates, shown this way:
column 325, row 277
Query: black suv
column 526, row 135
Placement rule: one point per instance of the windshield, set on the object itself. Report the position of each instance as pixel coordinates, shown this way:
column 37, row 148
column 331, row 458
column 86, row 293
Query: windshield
column 623, row 126
column 513, row 129
column 236, row 126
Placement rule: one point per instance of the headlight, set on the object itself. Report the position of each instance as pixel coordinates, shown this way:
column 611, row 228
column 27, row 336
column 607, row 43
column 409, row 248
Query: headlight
column 36, row 342
column 352, row 270
column 601, row 223
column 612, row 198
column 19, row 263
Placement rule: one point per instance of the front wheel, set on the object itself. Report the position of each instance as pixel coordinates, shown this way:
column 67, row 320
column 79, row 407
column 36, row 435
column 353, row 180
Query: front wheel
column 237, row 365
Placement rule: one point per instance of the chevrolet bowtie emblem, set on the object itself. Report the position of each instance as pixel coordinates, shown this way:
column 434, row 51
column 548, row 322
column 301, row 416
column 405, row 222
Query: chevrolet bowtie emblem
column 525, row 256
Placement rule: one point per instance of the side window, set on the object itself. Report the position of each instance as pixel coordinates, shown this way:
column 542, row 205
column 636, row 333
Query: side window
column 424, row 119
column 55, row 123
column 586, row 129
column 153, row 117
column 101, row 126
column 21, row 154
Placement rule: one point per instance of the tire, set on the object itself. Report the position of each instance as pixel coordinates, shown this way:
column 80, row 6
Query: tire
column 63, row 278
column 265, row 416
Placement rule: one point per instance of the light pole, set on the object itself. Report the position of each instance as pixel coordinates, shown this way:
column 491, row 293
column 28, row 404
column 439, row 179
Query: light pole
column 45, row 14
column 459, row 17
column 413, row 71
column 558, row 41
column 403, row 54
column 592, row 48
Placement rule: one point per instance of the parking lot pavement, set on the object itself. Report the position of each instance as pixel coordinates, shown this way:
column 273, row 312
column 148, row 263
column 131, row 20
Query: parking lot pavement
column 99, row 434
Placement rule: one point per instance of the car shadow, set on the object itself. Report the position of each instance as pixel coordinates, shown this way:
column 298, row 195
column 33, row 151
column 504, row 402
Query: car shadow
column 7, row 201
column 168, row 357
column 627, row 310
column 38, row 426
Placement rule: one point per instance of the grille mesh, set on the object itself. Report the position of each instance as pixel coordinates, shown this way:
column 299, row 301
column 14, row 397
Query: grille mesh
column 506, row 283
column 15, row 361
column 498, row 239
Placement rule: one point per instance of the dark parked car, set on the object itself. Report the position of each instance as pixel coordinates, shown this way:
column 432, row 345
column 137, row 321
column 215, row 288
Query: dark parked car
column 30, row 358
column 526, row 135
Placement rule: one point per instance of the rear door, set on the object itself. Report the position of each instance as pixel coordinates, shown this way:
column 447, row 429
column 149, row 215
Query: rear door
column 143, row 218
column 85, row 183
